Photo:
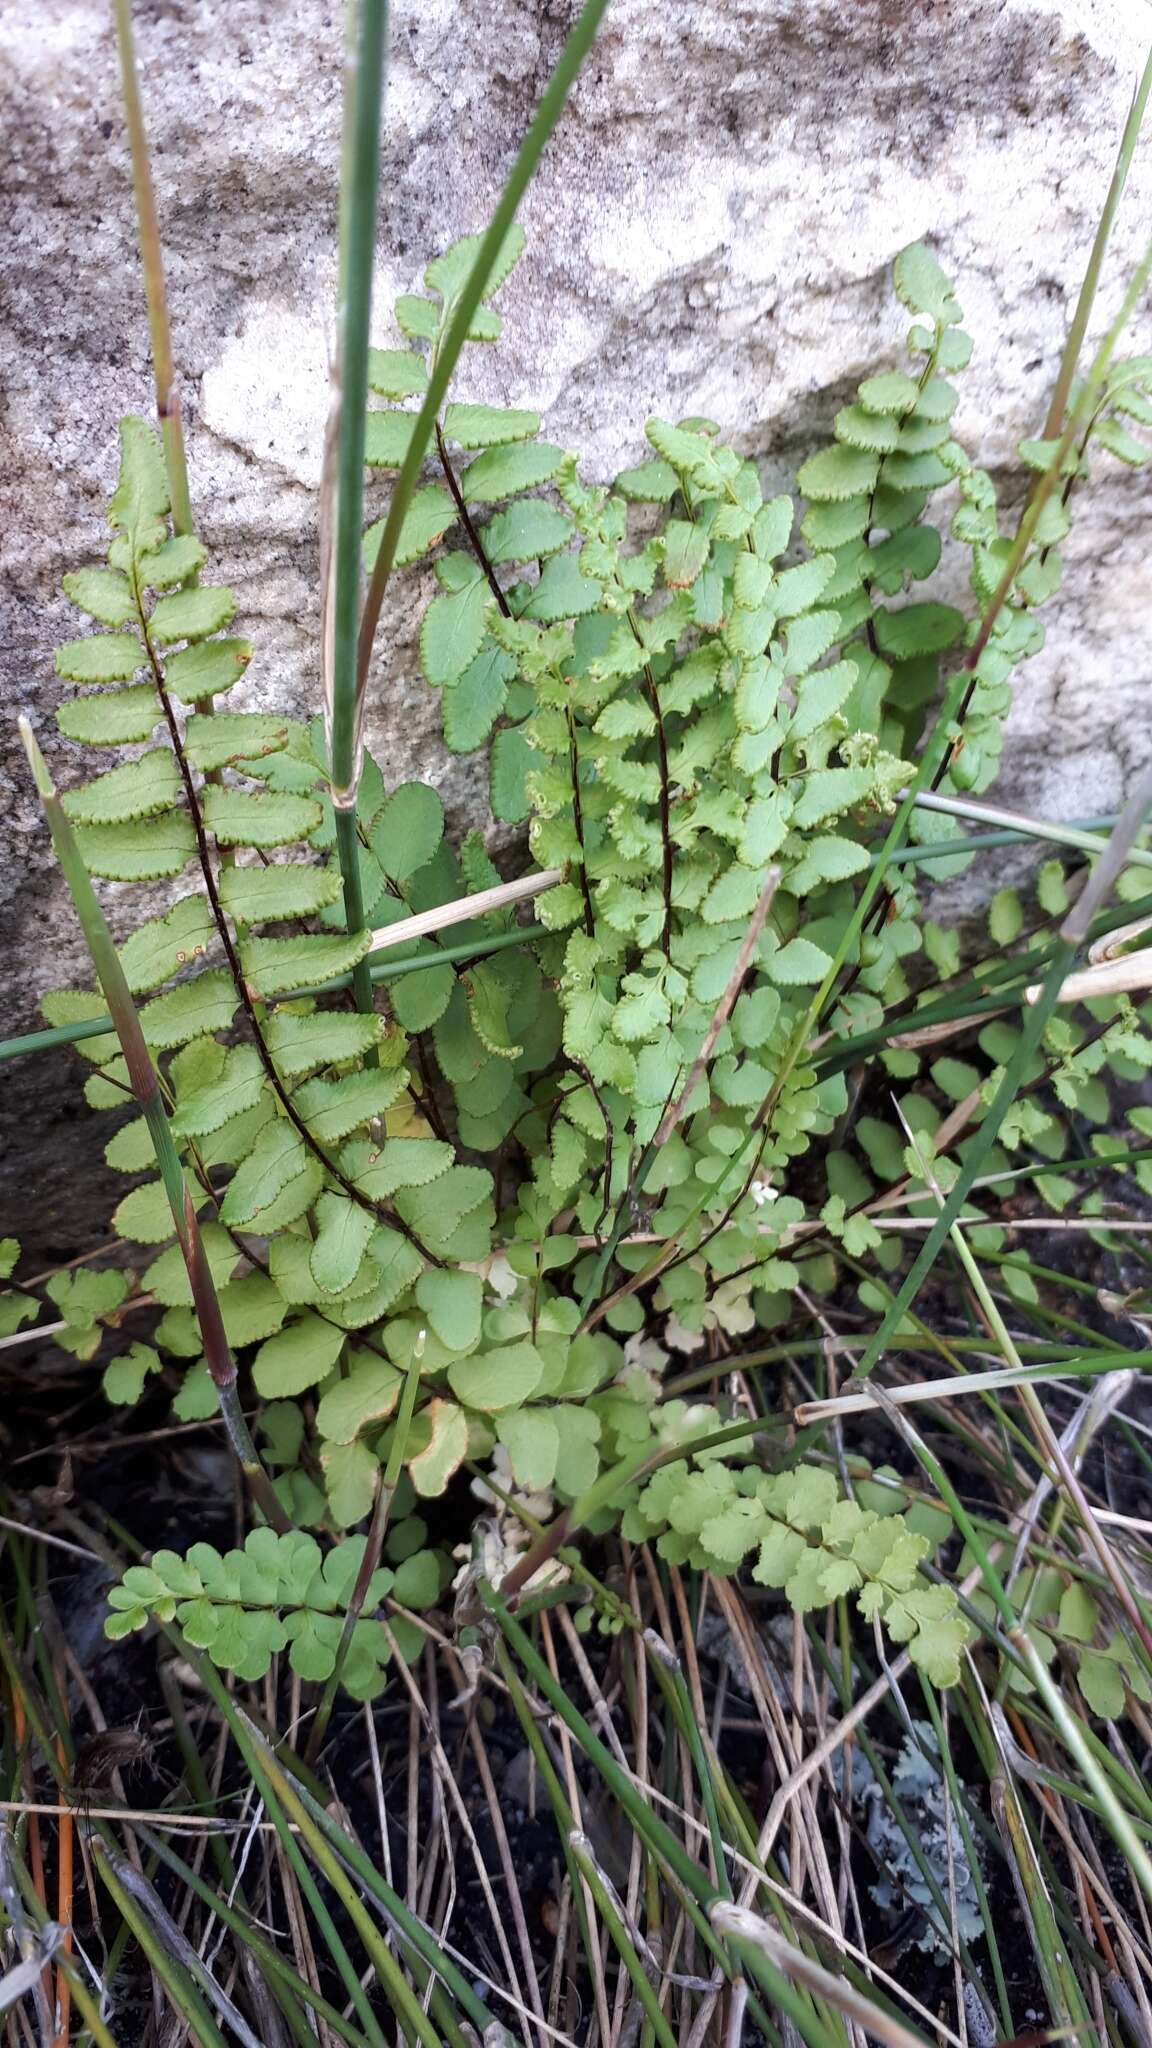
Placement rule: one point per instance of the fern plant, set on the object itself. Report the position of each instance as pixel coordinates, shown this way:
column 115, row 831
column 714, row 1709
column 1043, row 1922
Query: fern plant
column 280, row 1592
column 702, row 715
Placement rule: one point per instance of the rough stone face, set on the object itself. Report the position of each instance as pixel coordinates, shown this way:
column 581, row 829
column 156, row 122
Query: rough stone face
column 711, row 232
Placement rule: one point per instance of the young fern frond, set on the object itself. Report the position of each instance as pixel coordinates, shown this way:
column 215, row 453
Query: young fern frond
column 278, row 1592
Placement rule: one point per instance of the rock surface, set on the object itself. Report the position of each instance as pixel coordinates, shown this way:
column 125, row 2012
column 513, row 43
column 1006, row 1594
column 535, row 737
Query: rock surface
column 711, row 232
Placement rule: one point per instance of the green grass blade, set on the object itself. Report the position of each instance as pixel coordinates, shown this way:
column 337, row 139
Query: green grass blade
column 322, row 1918
column 549, row 1778
column 960, row 1813
column 176, row 1944
column 1049, row 831
column 608, row 1907
column 670, row 1678
column 152, row 263
column 402, row 1999
column 411, row 1930
column 671, row 1850
column 177, row 1981
column 692, row 1885
column 1072, row 1735
column 255, row 1749
column 1088, row 289
column 777, row 1965
column 363, row 95
column 267, row 1957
